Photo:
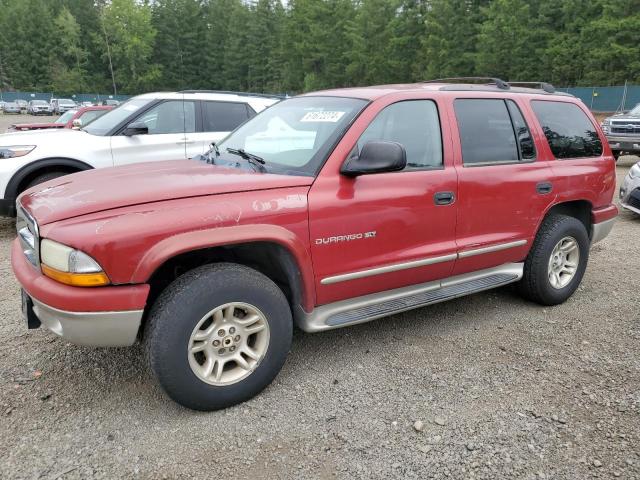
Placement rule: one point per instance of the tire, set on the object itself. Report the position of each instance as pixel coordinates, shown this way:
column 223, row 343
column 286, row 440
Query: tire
column 536, row 283
column 45, row 177
column 185, row 304
column 616, row 154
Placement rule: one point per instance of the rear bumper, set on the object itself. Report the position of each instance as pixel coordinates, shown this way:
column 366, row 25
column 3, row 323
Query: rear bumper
column 100, row 316
column 602, row 222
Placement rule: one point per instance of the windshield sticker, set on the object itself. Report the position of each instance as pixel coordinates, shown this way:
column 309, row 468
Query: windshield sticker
column 130, row 108
column 332, row 117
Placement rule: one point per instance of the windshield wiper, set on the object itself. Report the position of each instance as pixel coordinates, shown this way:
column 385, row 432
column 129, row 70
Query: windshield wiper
column 254, row 160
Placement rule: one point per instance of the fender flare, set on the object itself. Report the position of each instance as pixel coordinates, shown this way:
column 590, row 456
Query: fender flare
column 175, row 245
column 11, row 192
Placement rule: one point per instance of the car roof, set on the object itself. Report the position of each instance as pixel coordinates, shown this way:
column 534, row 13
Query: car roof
column 259, row 100
column 377, row 91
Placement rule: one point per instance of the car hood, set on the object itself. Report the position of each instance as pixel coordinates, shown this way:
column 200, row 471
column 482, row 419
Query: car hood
column 39, row 137
column 109, row 188
column 625, row 116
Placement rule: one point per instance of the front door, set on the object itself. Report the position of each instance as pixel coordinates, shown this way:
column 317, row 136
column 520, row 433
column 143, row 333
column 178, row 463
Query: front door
column 169, row 123
column 383, row 231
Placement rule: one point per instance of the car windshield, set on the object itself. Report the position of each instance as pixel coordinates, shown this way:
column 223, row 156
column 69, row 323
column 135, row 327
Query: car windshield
column 39, row 102
column 65, row 101
column 635, row 110
column 66, row 116
column 293, row 137
column 107, row 122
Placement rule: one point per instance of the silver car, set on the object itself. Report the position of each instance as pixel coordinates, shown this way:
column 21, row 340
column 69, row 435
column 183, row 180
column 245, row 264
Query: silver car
column 630, row 190
column 623, row 132
column 12, row 107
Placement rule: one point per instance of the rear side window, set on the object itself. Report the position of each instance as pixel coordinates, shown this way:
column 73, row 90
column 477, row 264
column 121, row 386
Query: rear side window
column 492, row 132
column 569, row 131
column 224, row 116
column 415, row 125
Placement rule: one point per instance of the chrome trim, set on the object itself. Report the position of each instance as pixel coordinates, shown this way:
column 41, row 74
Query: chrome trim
column 419, row 263
column 383, row 304
column 491, row 248
column 623, row 205
column 96, row 329
column 602, row 229
column 388, row 268
column 30, row 246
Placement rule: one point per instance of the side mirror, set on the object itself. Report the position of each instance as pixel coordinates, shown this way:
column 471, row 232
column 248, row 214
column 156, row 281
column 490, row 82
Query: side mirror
column 77, row 123
column 376, row 157
column 136, row 128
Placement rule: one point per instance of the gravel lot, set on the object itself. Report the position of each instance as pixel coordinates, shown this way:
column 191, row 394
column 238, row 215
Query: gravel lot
column 500, row 388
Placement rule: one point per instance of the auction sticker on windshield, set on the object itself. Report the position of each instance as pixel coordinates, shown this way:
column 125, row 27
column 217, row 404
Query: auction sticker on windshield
column 332, row 117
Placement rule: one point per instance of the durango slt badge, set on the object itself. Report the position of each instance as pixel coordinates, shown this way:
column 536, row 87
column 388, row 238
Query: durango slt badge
column 345, row 238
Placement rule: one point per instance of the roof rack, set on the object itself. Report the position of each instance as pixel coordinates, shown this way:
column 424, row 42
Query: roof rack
column 547, row 87
column 501, row 84
column 229, row 92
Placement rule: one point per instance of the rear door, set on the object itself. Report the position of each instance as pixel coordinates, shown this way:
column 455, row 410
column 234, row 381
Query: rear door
column 503, row 186
column 219, row 118
column 169, row 123
column 388, row 230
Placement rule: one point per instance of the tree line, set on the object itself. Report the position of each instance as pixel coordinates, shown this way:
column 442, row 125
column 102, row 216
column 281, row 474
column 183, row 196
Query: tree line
column 132, row 46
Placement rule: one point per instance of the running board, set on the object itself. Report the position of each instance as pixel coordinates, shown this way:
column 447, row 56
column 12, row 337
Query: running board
column 382, row 304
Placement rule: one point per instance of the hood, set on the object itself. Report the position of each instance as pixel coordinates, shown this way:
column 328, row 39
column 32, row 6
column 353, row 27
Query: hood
column 35, row 126
column 624, row 116
column 38, row 137
column 109, row 188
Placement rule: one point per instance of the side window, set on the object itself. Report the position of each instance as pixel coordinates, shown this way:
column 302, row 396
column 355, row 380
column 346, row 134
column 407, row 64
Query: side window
column 173, row 116
column 486, row 132
column 569, row 131
column 526, row 146
column 224, row 116
column 415, row 125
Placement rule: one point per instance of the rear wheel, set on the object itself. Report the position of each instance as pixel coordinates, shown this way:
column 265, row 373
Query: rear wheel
column 556, row 263
column 218, row 336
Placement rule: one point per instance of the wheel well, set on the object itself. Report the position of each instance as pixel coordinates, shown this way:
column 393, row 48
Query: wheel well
column 580, row 209
column 270, row 259
column 27, row 179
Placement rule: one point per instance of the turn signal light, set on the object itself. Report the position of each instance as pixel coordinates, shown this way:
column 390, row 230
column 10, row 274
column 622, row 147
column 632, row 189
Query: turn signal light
column 76, row 279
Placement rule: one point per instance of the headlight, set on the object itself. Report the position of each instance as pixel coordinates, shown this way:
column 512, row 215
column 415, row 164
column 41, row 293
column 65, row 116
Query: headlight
column 606, row 121
column 635, row 171
column 15, row 151
column 72, row 267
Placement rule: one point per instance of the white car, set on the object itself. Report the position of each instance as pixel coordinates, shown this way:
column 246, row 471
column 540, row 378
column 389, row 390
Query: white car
column 149, row 127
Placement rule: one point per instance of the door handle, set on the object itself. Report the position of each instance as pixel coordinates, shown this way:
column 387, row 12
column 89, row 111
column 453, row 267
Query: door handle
column 544, row 187
column 443, row 198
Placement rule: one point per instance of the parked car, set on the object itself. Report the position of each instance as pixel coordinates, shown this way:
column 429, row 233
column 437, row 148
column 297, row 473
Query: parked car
column 329, row 209
column 61, row 105
column 87, row 104
column 630, row 190
column 69, row 119
column 113, row 103
column 2, row 103
column 23, row 104
column 12, row 107
column 38, row 107
column 623, row 132
column 150, row 127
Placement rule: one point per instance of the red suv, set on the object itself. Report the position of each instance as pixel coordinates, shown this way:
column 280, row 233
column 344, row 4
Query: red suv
column 328, row 209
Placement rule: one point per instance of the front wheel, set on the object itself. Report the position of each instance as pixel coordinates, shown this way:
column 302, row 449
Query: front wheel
column 218, row 335
column 557, row 261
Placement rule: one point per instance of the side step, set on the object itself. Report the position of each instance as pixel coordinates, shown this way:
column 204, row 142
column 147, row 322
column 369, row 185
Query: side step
column 382, row 304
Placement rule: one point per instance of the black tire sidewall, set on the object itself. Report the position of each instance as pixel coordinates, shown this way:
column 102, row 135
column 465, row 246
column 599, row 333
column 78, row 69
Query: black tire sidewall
column 565, row 227
column 184, row 304
column 45, row 177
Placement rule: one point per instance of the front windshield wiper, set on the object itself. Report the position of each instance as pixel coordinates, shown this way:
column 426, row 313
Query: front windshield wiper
column 254, row 160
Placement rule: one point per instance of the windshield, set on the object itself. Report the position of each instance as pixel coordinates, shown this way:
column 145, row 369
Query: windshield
column 635, row 110
column 295, row 136
column 38, row 102
column 66, row 101
column 107, row 122
column 66, row 116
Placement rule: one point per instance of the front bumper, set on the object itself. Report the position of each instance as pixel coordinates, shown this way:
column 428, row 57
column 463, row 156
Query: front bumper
column 99, row 316
column 626, row 144
column 630, row 194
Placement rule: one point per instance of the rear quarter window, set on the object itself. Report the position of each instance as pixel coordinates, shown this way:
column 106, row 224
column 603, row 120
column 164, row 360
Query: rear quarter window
column 568, row 130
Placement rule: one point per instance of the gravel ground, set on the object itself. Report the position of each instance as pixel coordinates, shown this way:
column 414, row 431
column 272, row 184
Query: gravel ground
column 487, row 386
column 8, row 119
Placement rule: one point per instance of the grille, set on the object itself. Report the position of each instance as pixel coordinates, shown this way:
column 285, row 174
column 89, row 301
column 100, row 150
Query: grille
column 28, row 234
column 625, row 127
column 634, row 198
